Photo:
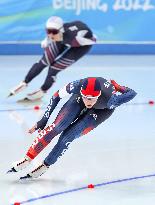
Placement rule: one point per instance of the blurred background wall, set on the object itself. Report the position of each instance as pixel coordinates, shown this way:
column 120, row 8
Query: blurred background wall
column 122, row 26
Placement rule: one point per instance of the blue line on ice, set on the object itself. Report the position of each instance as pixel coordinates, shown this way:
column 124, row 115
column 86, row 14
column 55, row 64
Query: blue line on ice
column 86, row 187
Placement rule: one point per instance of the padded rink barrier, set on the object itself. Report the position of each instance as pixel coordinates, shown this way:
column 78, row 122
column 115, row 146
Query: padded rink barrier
column 125, row 26
column 98, row 49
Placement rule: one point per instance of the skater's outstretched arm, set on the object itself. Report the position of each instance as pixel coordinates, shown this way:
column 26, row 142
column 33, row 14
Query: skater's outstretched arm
column 71, row 88
column 42, row 123
column 127, row 94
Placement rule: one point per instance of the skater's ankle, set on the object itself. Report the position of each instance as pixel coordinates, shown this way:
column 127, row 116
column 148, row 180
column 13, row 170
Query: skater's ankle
column 44, row 91
column 28, row 158
column 25, row 82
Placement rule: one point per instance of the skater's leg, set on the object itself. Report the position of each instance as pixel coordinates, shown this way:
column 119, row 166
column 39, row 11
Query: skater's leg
column 66, row 60
column 82, row 126
column 70, row 57
column 79, row 127
column 50, row 55
column 50, row 79
column 35, row 70
column 69, row 112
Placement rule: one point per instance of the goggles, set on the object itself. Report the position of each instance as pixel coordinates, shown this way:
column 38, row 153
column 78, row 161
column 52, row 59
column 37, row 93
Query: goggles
column 52, row 31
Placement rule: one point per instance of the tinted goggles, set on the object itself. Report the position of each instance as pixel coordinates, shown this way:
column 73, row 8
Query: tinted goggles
column 52, row 31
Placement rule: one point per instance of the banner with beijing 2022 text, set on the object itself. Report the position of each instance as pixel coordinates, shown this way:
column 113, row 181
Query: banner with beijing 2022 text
column 111, row 20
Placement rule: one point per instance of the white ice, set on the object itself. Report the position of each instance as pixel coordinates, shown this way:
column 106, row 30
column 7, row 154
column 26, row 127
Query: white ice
column 122, row 147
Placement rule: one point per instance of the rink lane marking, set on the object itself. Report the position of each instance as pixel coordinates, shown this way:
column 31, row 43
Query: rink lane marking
column 86, row 187
column 151, row 102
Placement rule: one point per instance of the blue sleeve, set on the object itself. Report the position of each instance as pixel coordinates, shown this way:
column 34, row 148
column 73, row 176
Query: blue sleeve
column 53, row 103
column 71, row 88
column 117, row 100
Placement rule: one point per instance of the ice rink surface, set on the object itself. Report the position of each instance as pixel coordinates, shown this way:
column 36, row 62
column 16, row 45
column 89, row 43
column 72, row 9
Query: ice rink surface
column 118, row 157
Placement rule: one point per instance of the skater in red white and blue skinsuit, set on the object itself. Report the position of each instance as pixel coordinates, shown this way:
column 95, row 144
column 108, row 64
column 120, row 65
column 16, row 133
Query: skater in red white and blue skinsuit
column 93, row 100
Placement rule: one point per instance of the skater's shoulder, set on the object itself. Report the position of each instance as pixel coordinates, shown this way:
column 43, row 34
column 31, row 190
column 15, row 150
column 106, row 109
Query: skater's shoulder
column 77, row 24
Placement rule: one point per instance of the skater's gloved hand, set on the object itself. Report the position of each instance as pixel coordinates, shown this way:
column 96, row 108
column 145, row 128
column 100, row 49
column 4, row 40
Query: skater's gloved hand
column 41, row 123
column 39, row 126
column 33, row 129
column 118, row 88
column 44, row 43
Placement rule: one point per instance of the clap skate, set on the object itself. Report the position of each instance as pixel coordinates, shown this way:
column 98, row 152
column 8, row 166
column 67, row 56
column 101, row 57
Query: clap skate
column 41, row 169
column 22, row 85
column 34, row 96
column 20, row 165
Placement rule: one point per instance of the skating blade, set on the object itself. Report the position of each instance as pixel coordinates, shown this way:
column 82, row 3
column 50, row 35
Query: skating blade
column 11, row 170
column 25, row 177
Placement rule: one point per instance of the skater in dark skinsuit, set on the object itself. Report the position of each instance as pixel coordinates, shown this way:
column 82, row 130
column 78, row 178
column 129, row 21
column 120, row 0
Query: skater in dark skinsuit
column 93, row 100
column 65, row 44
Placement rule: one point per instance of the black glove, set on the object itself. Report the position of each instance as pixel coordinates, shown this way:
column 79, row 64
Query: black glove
column 41, row 124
